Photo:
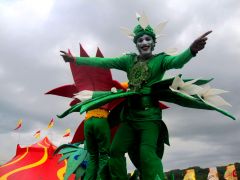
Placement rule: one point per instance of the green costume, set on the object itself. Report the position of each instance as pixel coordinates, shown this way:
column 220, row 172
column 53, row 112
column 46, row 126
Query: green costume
column 97, row 136
column 141, row 118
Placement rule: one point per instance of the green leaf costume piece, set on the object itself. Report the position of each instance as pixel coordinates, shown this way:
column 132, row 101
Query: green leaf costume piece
column 159, row 90
column 75, row 156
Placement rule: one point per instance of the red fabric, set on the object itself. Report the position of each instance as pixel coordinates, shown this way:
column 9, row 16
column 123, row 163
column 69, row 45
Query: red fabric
column 75, row 101
column 91, row 78
column 79, row 134
column 34, row 162
column 20, row 125
column 65, row 91
column 163, row 106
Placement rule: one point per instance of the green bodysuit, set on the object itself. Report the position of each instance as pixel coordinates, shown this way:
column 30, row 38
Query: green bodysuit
column 141, row 116
column 97, row 136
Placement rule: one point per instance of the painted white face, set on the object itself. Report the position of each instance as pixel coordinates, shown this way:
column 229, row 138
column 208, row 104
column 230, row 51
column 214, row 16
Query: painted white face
column 145, row 45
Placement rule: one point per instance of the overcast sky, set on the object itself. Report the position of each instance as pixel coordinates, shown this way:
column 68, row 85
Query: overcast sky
column 33, row 32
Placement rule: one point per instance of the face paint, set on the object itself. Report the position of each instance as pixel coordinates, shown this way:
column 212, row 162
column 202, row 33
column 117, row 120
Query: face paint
column 145, row 45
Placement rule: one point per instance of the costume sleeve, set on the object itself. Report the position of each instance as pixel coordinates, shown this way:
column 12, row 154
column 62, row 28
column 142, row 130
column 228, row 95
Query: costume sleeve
column 177, row 62
column 109, row 63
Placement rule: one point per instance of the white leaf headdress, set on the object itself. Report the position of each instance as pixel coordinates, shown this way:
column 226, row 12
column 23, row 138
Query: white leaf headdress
column 144, row 23
column 143, row 20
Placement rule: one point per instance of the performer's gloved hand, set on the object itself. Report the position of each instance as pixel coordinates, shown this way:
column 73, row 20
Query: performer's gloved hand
column 84, row 95
column 67, row 57
column 199, row 43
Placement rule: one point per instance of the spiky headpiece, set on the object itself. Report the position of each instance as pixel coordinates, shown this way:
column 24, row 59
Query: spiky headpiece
column 144, row 28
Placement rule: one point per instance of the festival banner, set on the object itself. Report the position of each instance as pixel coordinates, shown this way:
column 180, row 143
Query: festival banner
column 213, row 174
column 230, row 173
column 190, row 175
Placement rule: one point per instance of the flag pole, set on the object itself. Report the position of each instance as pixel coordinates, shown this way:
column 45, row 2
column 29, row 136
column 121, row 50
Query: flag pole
column 18, row 137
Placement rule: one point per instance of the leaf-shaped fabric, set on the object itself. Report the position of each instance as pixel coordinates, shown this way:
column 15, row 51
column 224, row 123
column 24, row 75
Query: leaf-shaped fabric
column 158, row 29
column 79, row 173
column 127, row 32
column 143, row 20
column 66, row 146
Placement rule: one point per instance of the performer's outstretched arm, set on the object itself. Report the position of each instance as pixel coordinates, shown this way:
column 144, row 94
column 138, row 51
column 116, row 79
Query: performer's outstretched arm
column 181, row 59
column 110, row 63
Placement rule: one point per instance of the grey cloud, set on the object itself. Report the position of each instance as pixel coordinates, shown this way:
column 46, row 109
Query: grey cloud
column 30, row 65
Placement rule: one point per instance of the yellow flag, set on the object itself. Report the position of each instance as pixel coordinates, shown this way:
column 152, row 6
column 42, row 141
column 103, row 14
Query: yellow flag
column 230, row 173
column 51, row 123
column 213, row 174
column 190, row 175
column 19, row 124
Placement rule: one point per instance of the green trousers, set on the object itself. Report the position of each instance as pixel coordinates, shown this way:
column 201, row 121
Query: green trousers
column 146, row 133
column 97, row 136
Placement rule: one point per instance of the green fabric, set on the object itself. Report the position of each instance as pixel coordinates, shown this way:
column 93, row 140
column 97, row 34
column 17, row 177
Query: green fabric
column 75, row 156
column 96, row 102
column 97, row 94
column 100, row 98
column 157, row 65
column 141, row 123
column 139, row 31
column 97, row 136
column 183, row 100
column 73, row 165
column 79, row 173
column 147, row 133
column 138, row 75
column 160, row 91
column 133, row 151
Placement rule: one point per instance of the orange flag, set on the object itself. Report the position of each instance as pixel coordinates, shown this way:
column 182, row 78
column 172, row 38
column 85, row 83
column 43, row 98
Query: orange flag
column 37, row 134
column 51, row 123
column 230, row 173
column 67, row 133
column 19, row 124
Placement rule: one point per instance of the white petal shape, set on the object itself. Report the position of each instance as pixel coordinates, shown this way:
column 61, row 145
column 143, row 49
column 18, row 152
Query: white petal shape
column 208, row 91
column 204, row 90
column 114, row 90
column 210, row 96
column 186, row 88
column 177, row 83
column 216, row 101
column 182, row 92
column 158, row 29
column 143, row 21
column 138, row 16
column 84, row 95
column 191, row 89
column 215, row 92
column 127, row 32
